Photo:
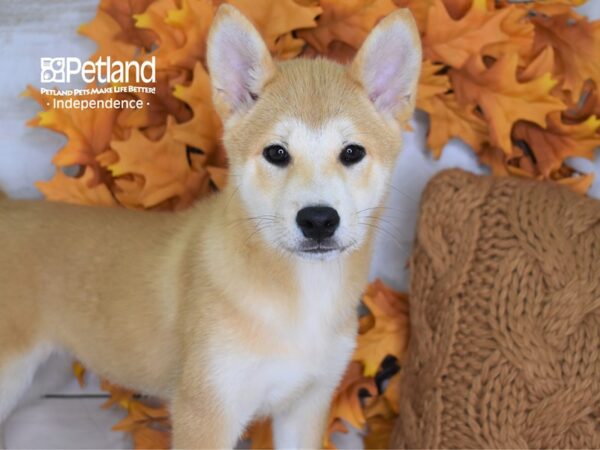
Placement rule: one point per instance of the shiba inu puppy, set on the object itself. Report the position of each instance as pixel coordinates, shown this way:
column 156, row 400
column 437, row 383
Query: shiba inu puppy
column 244, row 305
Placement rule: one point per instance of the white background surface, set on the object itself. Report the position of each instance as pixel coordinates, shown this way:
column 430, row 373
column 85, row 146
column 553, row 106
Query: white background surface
column 35, row 28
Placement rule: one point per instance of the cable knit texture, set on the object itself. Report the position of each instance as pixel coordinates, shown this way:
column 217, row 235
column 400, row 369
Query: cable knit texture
column 504, row 349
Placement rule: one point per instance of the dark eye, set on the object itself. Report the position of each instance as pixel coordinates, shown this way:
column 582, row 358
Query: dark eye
column 277, row 155
column 351, row 154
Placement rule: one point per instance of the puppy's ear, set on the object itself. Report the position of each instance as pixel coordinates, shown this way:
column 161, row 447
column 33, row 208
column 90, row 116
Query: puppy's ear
column 389, row 63
column 238, row 61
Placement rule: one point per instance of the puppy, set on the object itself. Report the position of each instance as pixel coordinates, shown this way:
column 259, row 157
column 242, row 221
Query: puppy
column 244, row 305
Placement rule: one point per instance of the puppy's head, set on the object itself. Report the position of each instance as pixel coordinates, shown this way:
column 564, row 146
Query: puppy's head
column 312, row 143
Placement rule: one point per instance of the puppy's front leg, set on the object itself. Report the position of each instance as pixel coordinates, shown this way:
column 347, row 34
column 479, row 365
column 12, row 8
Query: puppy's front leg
column 302, row 426
column 202, row 422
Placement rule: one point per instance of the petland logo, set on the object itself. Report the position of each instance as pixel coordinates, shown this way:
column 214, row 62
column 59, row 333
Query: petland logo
column 104, row 70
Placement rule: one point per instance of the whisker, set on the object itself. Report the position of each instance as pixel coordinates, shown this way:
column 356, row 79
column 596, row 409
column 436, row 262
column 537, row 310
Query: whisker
column 385, row 208
column 398, row 242
column 408, row 196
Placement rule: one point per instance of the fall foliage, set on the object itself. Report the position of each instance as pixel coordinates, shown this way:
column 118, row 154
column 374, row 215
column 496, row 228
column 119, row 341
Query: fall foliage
column 517, row 81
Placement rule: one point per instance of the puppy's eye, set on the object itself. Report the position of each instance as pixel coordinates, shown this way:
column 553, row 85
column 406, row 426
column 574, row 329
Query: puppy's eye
column 352, row 154
column 277, row 155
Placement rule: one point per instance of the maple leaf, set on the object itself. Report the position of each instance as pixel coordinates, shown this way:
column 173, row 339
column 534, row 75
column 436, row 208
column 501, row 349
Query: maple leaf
column 518, row 27
column 189, row 27
column 204, row 129
column 419, row 10
column 277, row 20
column 433, row 81
column 105, row 31
column 389, row 335
column 123, row 13
column 347, row 21
column 579, row 183
column 83, row 190
column 565, row 176
column 447, row 120
column 165, row 169
column 558, row 141
column 88, row 131
column 260, row 434
column 119, row 396
column 157, row 106
column 346, row 402
column 79, row 372
column 455, row 41
column 576, row 43
column 502, row 99
column 379, row 432
column 168, row 37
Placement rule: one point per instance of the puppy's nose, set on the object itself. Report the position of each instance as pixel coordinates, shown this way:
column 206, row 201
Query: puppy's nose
column 318, row 222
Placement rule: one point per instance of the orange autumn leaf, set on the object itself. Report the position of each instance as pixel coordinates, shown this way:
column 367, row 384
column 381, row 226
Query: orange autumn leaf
column 455, row 41
column 520, row 31
column 168, row 37
column 419, row 9
column 123, row 13
column 502, row 99
column 203, row 130
column 260, row 434
column 119, row 396
column 447, row 120
column 88, row 131
column 79, row 372
column 105, row 31
column 158, row 106
column 559, row 140
column 346, row 21
column 83, row 190
column 189, row 26
column 140, row 414
column 150, row 438
column 165, row 169
column 277, row 20
column 565, row 176
column 379, row 432
column 580, row 183
column 431, row 82
column 576, row 43
column 346, row 402
column 389, row 335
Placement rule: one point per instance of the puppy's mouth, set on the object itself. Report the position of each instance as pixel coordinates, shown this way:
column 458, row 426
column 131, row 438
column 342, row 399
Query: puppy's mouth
column 320, row 249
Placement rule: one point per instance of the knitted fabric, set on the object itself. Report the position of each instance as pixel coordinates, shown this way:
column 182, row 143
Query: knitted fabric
column 504, row 349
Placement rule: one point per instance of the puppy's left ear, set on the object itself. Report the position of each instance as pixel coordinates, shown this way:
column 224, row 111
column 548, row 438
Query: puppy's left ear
column 238, row 60
column 389, row 63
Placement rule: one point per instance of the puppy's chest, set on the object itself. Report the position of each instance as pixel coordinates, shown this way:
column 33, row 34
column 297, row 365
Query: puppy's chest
column 285, row 357
column 299, row 362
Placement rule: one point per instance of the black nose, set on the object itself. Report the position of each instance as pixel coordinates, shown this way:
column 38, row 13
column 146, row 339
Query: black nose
column 318, row 222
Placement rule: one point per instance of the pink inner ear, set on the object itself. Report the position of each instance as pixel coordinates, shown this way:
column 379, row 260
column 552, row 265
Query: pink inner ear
column 240, row 58
column 386, row 86
column 234, row 78
column 390, row 66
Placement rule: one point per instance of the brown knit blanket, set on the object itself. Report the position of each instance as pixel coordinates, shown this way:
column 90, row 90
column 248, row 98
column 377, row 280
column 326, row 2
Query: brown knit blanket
column 504, row 349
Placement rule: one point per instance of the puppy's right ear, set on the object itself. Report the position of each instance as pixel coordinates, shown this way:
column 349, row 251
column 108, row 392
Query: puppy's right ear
column 238, row 60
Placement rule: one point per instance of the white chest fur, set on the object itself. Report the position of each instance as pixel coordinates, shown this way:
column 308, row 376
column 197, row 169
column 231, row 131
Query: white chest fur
column 295, row 355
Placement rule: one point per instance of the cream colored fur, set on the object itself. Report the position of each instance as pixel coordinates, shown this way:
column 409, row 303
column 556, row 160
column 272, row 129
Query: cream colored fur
column 214, row 309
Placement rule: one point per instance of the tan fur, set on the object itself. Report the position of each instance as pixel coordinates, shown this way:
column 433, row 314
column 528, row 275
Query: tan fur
column 156, row 301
